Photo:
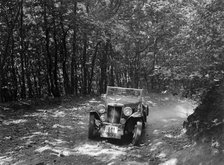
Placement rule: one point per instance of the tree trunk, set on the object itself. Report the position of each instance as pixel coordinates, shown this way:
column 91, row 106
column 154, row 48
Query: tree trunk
column 64, row 66
column 112, row 82
column 28, row 77
column 35, row 79
column 103, row 67
column 65, row 77
column 47, row 52
column 84, row 66
column 155, row 50
column 1, row 99
column 22, row 54
column 74, row 79
column 92, row 67
column 111, row 74
column 6, row 46
column 39, row 78
column 15, row 83
column 56, row 91
column 137, row 65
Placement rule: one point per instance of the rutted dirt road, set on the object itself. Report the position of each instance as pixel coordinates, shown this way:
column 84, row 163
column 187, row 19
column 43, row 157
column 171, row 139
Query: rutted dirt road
column 58, row 135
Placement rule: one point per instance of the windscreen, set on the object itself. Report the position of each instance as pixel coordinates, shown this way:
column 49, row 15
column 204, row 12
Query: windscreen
column 127, row 92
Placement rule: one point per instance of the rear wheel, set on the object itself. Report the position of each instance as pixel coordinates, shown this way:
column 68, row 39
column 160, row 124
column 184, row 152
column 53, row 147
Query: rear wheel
column 92, row 127
column 137, row 132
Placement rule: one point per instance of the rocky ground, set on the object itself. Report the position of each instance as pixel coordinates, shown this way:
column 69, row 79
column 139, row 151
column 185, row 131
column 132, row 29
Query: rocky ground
column 55, row 132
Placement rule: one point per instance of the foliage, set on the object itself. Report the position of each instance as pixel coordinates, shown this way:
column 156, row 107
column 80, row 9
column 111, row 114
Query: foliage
column 61, row 47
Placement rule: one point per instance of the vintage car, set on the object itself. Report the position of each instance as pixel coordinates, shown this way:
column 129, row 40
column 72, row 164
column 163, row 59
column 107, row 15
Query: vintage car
column 123, row 114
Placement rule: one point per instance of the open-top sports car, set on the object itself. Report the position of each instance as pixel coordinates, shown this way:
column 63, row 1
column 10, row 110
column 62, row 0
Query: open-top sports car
column 123, row 113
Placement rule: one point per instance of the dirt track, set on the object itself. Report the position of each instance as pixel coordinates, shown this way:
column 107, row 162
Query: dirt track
column 58, row 135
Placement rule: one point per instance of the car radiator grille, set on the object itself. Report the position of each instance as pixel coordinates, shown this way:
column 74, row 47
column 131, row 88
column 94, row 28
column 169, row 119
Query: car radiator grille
column 114, row 114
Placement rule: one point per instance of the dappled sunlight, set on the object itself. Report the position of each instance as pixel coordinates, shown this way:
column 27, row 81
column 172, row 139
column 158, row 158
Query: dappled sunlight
column 172, row 161
column 58, row 114
column 37, row 114
column 97, row 151
column 105, row 154
column 48, row 147
column 183, row 111
column 132, row 163
column 5, row 160
column 82, row 108
column 74, row 109
column 77, row 116
column 171, row 113
column 94, row 101
column 61, row 132
column 40, row 133
column 82, row 123
column 150, row 103
column 31, row 115
column 56, row 142
column 84, row 105
column 156, row 132
column 155, row 146
column 41, row 110
column 169, row 136
column 161, row 155
column 21, row 162
column 27, row 137
column 183, row 131
column 165, row 120
column 82, row 127
column 39, row 126
column 173, row 120
column 61, row 126
column 165, row 99
column 169, row 120
column 19, row 121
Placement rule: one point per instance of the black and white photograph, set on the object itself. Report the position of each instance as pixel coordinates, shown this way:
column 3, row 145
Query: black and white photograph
column 111, row 82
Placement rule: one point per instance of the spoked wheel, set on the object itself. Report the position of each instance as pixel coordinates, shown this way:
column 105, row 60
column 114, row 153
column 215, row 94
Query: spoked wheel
column 137, row 133
column 92, row 134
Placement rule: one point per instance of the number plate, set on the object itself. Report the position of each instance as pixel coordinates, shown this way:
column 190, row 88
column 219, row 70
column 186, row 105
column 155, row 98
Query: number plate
column 111, row 129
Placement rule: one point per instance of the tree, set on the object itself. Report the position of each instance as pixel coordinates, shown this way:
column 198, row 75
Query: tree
column 54, row 48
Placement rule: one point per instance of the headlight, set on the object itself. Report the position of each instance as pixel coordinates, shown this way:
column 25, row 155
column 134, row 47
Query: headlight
column 103, row 117
column 101, row 108
column 127, row 111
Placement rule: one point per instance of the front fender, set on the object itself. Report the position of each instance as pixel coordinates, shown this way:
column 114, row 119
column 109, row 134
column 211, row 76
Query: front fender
column 96, row 114
column 132, row 120
column 136, row 115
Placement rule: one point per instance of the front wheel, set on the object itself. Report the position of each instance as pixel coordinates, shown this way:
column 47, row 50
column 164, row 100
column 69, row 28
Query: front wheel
column 137, row 132
column 92, row 127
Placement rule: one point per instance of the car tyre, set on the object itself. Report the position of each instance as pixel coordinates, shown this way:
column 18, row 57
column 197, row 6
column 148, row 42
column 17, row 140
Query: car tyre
column 137, row 132
column 92, row 134
column 147, row 111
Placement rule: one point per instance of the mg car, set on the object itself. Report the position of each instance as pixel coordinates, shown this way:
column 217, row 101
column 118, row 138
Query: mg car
column 123, row 114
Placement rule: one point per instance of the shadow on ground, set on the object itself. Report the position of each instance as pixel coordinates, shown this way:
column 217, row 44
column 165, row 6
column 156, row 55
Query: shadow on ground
column 57, row 134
